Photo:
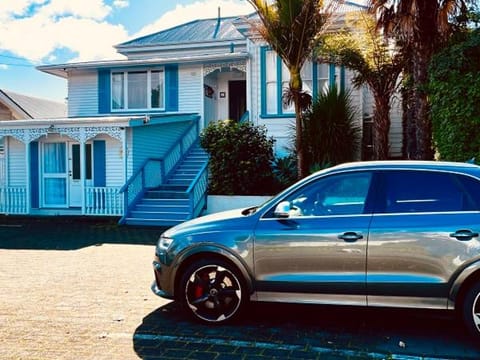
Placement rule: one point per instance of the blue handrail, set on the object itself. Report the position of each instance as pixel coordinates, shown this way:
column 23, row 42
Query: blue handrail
column 136, row 186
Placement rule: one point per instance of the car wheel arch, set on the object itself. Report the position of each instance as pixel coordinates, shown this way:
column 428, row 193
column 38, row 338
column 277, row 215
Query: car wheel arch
column 214, row 253
column 462, row 284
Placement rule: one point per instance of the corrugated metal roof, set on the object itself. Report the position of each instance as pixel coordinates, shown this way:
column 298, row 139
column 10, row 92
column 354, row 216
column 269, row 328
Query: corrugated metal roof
column 206, row 30
column 203, row 30
column 34, row 107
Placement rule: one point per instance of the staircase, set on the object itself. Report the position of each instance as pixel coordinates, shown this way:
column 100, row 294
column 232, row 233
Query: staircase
column 170, row 204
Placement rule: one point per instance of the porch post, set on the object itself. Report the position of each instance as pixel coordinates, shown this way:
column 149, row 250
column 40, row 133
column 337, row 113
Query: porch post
column 28, row 186
column 83, row 169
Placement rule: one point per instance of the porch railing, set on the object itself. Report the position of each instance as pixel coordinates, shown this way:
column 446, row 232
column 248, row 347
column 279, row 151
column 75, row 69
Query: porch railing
column 197, row 191
column 13, row 200
column 154, row 171
column 3, row 175
column 103, row 201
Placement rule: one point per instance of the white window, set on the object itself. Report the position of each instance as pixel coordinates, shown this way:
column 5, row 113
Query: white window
column 271, row 82
column 138, row 90
column 315, row 80
column 323, row 82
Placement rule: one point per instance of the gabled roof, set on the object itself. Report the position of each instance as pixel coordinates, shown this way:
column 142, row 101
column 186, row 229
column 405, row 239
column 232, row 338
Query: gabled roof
column 28, row 107
column 197, row 31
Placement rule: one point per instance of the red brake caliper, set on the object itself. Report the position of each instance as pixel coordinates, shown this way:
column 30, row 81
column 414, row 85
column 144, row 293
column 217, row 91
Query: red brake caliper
column 199, row 289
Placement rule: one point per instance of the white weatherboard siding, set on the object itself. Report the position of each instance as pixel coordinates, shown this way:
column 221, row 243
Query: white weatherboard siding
column 254, row 85
column 129, row 150
column 396, row 129
column 190, row 92
column 280, row 129
column 82, row 94
column 115, row 161
column 17, row 172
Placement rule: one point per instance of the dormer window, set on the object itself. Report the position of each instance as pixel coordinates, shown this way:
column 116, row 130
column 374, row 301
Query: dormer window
column 138, row 90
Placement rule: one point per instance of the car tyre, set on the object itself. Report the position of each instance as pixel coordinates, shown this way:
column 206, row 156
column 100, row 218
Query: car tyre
column 471, row 310
column 212, row 291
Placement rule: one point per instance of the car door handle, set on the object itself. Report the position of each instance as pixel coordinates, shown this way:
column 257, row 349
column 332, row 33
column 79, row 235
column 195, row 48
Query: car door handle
column 350, row 236
column 464, row 235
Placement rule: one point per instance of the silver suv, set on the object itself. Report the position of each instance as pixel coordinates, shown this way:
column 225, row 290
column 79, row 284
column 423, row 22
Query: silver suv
column 397, row 234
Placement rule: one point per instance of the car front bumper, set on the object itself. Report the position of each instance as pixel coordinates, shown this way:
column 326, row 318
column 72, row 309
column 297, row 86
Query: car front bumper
column 160, row 284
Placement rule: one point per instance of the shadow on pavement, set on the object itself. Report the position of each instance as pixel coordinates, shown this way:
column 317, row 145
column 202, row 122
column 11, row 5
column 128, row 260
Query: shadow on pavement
column 70, row 233
column 287, row 331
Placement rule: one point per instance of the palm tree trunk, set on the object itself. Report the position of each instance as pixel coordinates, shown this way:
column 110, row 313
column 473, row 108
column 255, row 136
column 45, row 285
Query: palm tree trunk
column 422, row 107
column 296, row 88
column 381, row 128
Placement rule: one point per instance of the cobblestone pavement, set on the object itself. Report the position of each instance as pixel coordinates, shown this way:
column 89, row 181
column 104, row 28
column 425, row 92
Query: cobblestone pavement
column 80, row 290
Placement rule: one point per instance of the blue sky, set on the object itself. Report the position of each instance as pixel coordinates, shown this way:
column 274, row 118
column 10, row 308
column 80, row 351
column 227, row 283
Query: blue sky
column 39, row 32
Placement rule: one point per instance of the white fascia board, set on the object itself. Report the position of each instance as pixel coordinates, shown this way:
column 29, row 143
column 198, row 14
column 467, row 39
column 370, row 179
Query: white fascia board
column 78, row 122
column 63, row 69
column 181, row 47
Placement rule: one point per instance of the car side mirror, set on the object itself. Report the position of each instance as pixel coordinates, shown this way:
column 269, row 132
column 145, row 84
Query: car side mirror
column 282, row 210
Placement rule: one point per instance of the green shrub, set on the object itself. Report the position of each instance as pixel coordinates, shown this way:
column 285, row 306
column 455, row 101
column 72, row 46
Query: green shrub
column 454, row 90
column 240, row 158
column 330, row 136
column 285, row 171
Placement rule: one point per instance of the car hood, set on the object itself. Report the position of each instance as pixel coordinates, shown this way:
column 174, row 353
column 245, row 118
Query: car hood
column 234, row 218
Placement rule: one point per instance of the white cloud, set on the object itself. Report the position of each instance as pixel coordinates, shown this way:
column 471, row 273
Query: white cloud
column 9, row 8
column 3, row 67
column 204, row 9
column 121, row 4
column 39, row 30
column 35, row 29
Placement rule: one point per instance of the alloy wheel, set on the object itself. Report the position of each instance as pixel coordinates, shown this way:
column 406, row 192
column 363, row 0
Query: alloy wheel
column 213, row 293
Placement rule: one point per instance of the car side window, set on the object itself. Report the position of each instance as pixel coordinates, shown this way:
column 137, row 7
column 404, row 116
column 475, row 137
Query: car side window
column 340, row 194
column 472, row 187
column 422, row 191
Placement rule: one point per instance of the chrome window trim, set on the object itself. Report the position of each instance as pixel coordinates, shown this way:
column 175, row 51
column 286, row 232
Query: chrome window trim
column 314, row 217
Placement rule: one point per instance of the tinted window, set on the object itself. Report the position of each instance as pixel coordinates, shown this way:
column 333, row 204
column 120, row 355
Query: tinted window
column 422, row 191
column 472, row 187
column 343, row 194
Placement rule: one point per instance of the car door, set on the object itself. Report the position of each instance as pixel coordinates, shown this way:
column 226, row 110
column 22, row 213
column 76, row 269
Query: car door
column 424, row 231
column 317, row 251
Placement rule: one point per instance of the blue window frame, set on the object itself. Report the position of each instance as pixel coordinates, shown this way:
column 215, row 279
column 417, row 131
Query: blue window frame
column 274, row 77
column 135, row 89
column 138, row 90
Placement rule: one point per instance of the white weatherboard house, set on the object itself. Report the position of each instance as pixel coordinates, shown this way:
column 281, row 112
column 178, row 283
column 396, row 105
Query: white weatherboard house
column 129, row 144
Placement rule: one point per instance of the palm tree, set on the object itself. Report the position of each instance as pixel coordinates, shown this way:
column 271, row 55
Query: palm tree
column 420, row 27
column 290, row 28
column 365, row 51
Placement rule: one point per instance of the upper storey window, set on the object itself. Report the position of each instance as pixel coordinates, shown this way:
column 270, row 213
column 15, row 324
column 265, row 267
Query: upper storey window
column 275, row 78
column 138, row 90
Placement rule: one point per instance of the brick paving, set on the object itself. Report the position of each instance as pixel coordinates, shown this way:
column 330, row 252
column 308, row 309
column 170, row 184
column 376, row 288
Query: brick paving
column 82, row 304
column 79, row 289
column 72, row 304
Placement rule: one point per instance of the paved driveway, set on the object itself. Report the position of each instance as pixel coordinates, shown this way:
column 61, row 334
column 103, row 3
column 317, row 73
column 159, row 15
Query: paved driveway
column 77, row 289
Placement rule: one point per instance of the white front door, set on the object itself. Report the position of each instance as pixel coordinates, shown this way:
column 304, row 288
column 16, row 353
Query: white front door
column 54, row 174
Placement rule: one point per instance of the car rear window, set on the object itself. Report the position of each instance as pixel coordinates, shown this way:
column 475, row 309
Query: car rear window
column 423, row 191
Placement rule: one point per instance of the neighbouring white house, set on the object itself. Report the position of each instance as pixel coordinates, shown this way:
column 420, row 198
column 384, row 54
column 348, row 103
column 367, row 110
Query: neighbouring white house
column 128, row 146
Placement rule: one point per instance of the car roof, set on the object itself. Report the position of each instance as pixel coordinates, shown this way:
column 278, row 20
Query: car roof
column 409, row 165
